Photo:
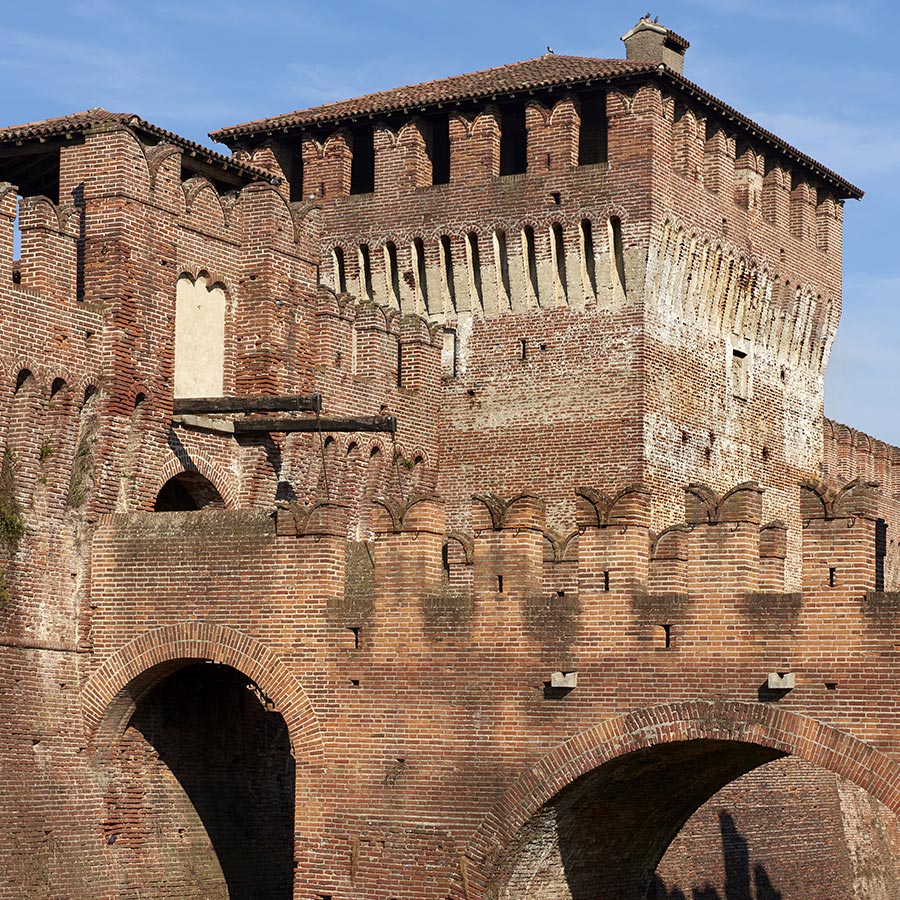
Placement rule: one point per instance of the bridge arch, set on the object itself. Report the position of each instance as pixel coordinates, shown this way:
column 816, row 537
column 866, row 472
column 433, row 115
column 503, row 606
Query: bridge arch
column 684, row 751
column 217, row 737
column 111, row 694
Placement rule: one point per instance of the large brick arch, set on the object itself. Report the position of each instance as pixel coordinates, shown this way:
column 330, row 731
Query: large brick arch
column 111, row 693
column 778, row 729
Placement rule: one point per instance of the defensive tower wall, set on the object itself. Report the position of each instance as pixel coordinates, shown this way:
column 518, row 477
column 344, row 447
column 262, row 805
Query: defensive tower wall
column 553, row 517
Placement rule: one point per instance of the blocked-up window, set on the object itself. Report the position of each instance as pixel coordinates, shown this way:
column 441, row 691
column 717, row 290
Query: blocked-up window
column 199, row 338
column 740, row 374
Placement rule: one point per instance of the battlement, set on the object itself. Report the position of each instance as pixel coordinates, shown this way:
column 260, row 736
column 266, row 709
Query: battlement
column 719, row 575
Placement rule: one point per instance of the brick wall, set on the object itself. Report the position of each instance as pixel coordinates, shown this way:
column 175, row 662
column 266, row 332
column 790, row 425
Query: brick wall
column 587, row 540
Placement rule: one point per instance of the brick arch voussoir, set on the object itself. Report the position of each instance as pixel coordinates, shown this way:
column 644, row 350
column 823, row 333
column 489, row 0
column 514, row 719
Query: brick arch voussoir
column 106, row 704
column 193, row 462
column 724, row 720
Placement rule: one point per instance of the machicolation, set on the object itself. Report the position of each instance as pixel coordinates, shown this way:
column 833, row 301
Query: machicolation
column 433, row 499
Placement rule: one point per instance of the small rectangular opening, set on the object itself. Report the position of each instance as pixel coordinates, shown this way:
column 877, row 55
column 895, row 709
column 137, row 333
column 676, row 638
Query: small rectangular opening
column 666, row 636
column 355, row 634
column 440, row 150
column 593, row 132
column 362, row 164
column 499, row 584
column 513, row 140
column 523, row 348
column 606, row 581
column 832, row 576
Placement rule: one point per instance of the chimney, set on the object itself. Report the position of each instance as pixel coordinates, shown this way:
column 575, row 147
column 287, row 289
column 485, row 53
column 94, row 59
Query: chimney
column 650, row 40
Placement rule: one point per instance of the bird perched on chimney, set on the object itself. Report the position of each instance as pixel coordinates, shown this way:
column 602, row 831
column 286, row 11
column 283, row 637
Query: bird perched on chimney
column 551, row 51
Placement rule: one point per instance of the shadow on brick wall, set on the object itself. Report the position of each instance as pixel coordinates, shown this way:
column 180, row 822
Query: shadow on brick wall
column 740, row 882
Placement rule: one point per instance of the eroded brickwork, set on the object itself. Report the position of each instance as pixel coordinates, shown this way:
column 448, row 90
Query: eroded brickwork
column 611, row 561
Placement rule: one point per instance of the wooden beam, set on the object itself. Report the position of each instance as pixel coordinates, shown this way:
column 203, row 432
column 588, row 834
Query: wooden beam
column 387, row 424
column 199, row 406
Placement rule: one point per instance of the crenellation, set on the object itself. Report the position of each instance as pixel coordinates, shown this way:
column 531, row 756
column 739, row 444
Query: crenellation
column 749, row 170
column 689, row 145
column 803, row 211
column 719, row 161
column 602, row 534
column 776, row 201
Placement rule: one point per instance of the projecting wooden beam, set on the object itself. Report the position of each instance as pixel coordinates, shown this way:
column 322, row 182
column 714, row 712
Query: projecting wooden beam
column 198, row 406
column 361, row 423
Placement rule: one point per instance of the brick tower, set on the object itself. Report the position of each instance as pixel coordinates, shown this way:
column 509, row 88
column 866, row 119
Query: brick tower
column 433, row 499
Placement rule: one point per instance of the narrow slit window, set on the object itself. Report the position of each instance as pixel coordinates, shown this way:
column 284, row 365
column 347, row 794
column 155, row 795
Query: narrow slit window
column 606, row 581
column 390, row 249
column 881, row 543
column 502, row 262
column 617, row 254
column 340, row 271
column 666, row 636
column 474, row 266
column 448, row 353
column 587, row 254
column 530, row 258
column 365, row 267
column 421, row 279
column 440, row 150
column 295, row 180
column 499, row 584
column 559, row 252
column 447, row 259
column 513, row 140
column 362, row 164
column 593, row 132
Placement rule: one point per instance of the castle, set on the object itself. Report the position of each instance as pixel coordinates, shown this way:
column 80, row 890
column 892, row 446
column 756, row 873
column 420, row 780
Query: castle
column 432, row 499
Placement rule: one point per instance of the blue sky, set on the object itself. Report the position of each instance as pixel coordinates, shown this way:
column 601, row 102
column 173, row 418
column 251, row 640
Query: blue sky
column 815, row 73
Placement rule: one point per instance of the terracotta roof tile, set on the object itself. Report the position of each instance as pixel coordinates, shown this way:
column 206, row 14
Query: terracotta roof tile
column 80, row 122
column 551, row 70
column 547, row 71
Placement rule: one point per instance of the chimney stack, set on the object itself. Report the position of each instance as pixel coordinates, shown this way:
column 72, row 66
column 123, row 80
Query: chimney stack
column 650, row 40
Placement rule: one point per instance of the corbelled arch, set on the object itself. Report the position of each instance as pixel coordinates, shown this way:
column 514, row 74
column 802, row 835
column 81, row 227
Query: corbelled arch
column 111, row 693
column 776, row 732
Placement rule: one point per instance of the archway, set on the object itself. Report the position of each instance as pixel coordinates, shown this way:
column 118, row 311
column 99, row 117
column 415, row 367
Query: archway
column 602, row 837
column 188, row 491
column 129, row 688
column 199, row 799
column 594, row 817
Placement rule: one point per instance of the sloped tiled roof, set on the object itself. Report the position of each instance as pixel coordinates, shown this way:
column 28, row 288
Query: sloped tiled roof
column 548, row 71
column 78, row 123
